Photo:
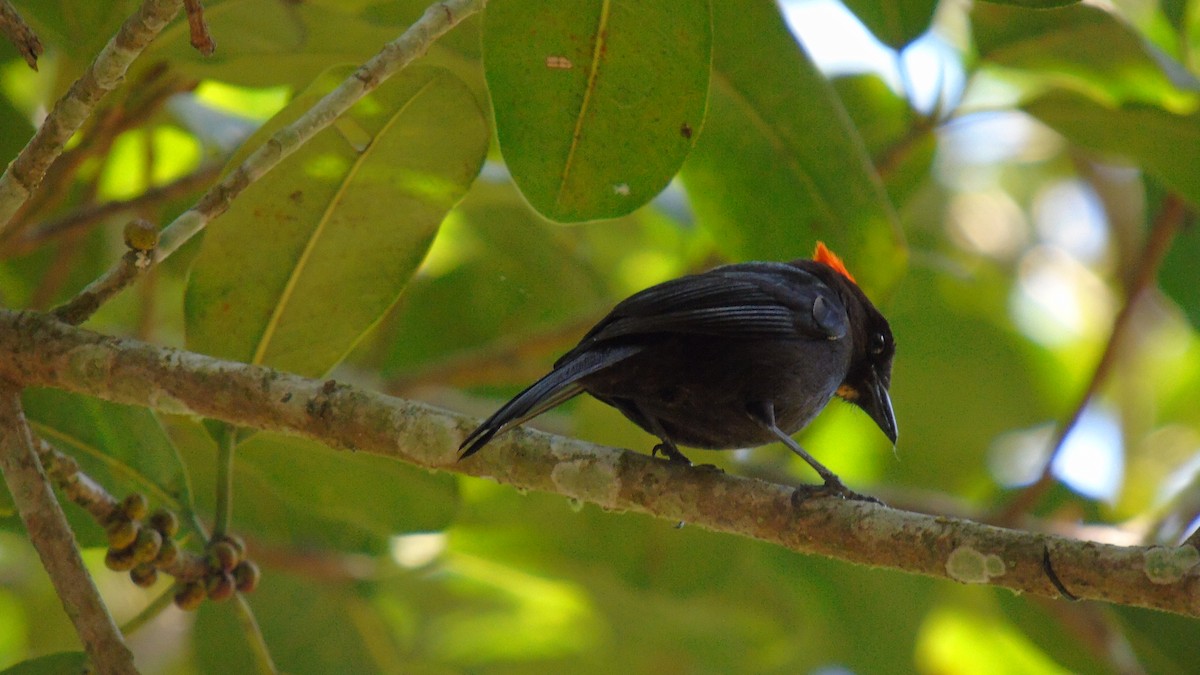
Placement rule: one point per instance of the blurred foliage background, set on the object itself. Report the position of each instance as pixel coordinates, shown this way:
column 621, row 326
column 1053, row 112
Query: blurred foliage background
column 998, row 176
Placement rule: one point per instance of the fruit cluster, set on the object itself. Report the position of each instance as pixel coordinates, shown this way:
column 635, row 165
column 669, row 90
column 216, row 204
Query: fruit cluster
column 226, row 570
column 143, row 544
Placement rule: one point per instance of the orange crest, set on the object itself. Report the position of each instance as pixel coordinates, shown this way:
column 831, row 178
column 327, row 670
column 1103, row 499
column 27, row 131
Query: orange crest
column 824, row 255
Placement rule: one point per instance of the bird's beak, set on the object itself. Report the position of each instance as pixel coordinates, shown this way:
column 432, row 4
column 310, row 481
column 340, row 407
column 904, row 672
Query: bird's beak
column 878, row 404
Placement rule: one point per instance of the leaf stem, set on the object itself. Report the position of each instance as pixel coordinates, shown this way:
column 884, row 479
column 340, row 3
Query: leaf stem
column 226, row 449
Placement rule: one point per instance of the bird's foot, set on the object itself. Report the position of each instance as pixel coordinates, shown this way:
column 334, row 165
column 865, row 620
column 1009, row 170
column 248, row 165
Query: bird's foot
column 670, row 452
column 832, row 488
column 674, row 455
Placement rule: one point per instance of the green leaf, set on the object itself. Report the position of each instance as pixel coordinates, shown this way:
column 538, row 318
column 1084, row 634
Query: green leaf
column 123, row 448
column 1084, row 48
column 900, row 142
column 1034, row 4
column 506, row 272
column 895, row 23
column 310, row 627
column 780, row 164
column 597, row 103
column 1177, row 276
column 51, row 664
column 954, row 338
column 1165, row 144
column 267, row 44
column 296, row 491
column 310, row 256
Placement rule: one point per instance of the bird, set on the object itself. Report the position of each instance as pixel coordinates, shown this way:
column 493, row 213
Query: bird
column 739, row 356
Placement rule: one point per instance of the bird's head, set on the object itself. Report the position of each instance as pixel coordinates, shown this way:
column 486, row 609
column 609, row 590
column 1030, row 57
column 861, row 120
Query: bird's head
column 870, row 374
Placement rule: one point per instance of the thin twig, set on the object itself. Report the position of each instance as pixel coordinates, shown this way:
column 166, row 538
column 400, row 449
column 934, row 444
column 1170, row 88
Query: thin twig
column 1166, row 224
column 20, row 34
column 36, row 350
column 226, row 451
column 149, row 612
column 80, row 308
column 25, row 173
column 55, row 542
column 201, row 39
column 254, row 636
column 88, row 216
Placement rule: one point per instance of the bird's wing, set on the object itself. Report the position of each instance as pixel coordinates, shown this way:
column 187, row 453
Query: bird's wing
column 557, row 386
column 745, row 300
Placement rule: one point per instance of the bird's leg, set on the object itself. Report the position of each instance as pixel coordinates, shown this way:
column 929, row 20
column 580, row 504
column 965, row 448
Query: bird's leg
column 668, row 450
column 763, row 412
column 667, row 446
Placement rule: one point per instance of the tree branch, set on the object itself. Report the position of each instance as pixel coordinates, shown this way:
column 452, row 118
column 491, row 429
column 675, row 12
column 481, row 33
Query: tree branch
column 55, row 542
column 19, row 34
column 25, row 173
column 36, row 350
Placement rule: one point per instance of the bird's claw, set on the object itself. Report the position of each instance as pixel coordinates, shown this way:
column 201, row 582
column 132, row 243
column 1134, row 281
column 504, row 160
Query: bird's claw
column 670, row 452
column 831, row 488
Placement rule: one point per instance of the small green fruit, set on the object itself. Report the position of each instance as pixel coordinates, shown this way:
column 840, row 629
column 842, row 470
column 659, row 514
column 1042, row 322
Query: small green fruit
column 120, row 559
column 144, row 575
column 246, row 576
column 148, row 543
column 121, row 533
column 189, row 597
column 165, row 522
column 220, row 586
column 135, row 506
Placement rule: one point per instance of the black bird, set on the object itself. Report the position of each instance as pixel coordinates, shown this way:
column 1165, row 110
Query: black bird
column 739, row 356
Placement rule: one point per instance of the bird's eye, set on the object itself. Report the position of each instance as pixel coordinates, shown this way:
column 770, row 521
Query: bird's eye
column 877, row 343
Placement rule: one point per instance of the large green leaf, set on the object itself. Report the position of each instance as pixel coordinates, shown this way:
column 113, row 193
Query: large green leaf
column 1178, row 277
column 962, row 377
column 779, row 163
column 310, row 256
column 597, row 103
column 310, row 626
column 895, row 22
column 293, row 491
column 123, row 448
column 506, row 272
column 270, row 43
column 901, row 144
column 1034, row 4
column 1085, row 48
column 51, row 664
column 1165, row 144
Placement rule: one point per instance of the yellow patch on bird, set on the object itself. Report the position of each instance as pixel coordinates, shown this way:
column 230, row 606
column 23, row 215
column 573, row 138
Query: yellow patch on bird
column 847, row 392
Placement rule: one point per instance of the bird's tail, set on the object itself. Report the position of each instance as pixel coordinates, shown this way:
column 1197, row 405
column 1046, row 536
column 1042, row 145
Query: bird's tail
column 557, row 386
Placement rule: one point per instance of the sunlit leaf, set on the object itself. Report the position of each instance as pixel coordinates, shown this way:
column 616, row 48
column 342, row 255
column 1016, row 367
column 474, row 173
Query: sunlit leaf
column 597, row 103
column 779, row 164
column 895, row 22
column 295, row 491
column 960, row 379
column 1034, row 4
column 1178, row 277
column 1162, row 142
column 1085, row 48
column 126, row 441
column 506, row 273
column 123, row 448
column 901, row 143
column 310, row 627
column 310, row 256
column 266, row 44
column 51, row 664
